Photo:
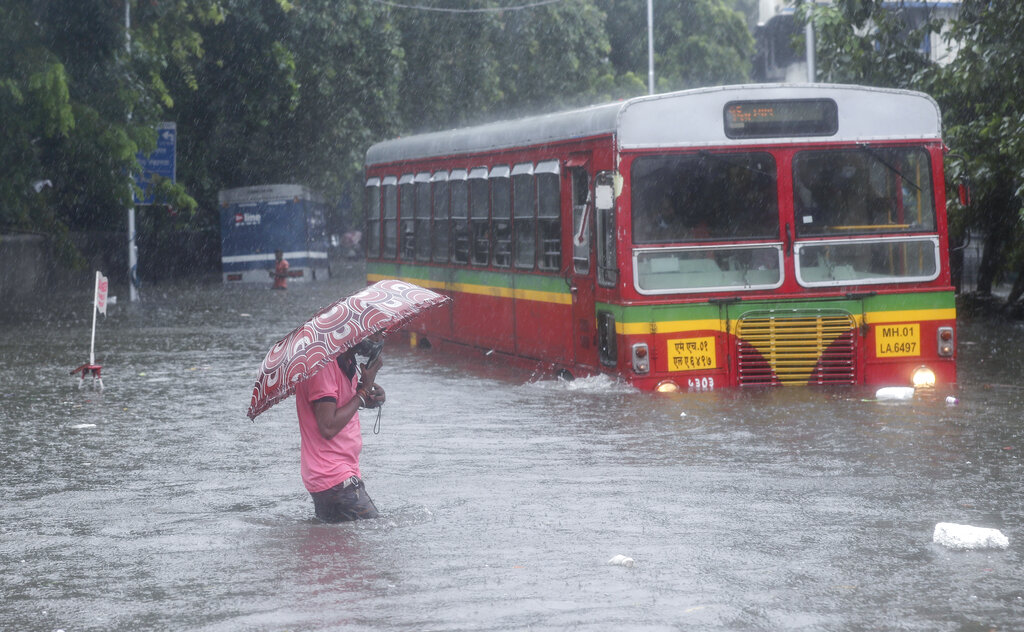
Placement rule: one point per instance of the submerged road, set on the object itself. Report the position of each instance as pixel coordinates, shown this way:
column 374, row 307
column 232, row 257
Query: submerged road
column 157, row 504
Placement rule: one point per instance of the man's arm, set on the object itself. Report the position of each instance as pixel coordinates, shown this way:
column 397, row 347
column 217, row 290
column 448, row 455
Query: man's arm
column 331, row 418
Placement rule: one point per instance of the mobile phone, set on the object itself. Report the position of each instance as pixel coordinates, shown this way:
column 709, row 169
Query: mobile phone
column 374, row 353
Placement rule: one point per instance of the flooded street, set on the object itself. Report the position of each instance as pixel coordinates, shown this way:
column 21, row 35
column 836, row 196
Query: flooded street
column 157, row 504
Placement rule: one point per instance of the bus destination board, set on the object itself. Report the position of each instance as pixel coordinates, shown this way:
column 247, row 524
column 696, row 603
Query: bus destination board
column 781, row 118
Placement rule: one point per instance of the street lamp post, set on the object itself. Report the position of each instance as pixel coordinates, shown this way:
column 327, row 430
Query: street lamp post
column 650, row 46
column 133, row 249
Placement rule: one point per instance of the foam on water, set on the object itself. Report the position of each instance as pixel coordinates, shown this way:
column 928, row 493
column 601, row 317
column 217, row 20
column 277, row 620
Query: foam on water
column 595, row 383
column 964, row 537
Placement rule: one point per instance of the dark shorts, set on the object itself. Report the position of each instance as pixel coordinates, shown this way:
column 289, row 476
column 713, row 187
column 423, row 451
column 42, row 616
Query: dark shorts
column 345, row 501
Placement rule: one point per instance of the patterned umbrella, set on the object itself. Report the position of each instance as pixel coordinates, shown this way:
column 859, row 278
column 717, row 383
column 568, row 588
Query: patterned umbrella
column 383, row 307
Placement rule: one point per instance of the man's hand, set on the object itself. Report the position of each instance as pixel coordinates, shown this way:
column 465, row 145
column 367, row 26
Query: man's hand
column 377, row 396
column 369, row 372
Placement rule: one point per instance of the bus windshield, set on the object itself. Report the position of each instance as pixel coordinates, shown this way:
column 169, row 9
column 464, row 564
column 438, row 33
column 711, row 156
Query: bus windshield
column 704, row 197
column 862, row 190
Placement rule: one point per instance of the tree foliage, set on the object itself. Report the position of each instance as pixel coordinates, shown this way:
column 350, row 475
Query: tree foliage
column 267, row 91
column 870, row 42
column 77, row 106
column 696, row 43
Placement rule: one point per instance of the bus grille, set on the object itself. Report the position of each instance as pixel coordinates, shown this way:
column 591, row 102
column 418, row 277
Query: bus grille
column 796, row 347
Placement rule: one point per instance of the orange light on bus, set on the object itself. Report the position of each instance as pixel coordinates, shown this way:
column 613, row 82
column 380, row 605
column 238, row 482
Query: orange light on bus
column 667, row 386
column 640, row 362
column 945, row 335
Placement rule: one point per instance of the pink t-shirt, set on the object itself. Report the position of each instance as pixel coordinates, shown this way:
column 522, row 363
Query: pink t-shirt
column 326, row 462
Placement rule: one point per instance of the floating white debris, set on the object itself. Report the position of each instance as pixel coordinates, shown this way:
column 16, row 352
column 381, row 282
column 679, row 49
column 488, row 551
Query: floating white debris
column 952, row 401
column 621, row 560
column 80, row 426
column 895, row 392
column 964, row 537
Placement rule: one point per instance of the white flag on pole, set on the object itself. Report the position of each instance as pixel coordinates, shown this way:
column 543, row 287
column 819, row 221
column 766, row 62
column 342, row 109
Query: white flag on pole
column 101, row 293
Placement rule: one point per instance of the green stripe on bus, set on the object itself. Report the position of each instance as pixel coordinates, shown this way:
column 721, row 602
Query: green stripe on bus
column 673, row 318
column 549, row 289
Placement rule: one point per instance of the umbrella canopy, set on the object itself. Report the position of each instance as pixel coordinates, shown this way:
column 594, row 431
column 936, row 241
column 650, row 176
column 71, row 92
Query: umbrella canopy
column 381, row 308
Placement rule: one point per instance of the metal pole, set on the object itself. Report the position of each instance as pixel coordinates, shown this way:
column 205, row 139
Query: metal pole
column 812, row 74
column 650, row 46
column 133, row 251
column 92, row 343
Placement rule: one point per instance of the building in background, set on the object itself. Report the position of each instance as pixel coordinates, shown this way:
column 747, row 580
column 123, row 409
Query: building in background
column 776, row 59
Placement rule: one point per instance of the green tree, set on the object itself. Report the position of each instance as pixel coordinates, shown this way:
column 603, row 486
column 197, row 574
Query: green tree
column 984, row 120
column 866, row 41
column 286, row 92
column 77, row 105
column 478, row 64
column 449, row 72
column 696, row 43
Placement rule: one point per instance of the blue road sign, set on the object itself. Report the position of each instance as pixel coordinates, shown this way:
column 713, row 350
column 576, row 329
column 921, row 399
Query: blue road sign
column 160, row 163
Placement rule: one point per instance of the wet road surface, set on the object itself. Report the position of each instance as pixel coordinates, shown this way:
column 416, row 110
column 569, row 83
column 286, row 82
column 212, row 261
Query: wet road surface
column 157, row 504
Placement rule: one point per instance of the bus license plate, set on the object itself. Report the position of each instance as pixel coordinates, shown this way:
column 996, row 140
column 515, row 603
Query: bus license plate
column 893, row 341
column 692, row 354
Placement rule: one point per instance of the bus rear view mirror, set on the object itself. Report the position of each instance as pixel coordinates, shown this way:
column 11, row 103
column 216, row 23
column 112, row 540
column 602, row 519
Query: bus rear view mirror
column 604, row 195
column 964, row 192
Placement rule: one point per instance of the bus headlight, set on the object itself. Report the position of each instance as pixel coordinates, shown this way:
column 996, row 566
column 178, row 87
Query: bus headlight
column 922, row 376
column 641, row 359
column 945, row 339
column 667, row 386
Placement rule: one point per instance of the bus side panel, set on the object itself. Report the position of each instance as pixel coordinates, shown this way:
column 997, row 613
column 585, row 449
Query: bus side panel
column 483, row 320
column 544, row 330
column 482, row 314
column 435, row 322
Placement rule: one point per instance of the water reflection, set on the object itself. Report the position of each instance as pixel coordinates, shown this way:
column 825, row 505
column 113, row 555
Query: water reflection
column 157, row 505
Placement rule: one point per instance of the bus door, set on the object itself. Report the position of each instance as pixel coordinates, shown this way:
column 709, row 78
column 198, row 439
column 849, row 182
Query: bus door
column 794, row 345
column 580, row 272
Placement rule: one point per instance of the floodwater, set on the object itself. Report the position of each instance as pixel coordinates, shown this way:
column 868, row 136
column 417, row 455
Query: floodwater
column 157, row 505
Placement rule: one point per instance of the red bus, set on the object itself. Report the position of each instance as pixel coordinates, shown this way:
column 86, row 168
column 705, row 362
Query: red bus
column 731, row 236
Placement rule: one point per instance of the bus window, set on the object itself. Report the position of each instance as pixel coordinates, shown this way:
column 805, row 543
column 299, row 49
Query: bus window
column 501, row 216
column 390, row 217
column 524, row 200
column 668, row 270
column 604, row 204
column 441, row 221
column 460, row 216
column 371, row 211
column 864, row 261
column 549, row 224
column 863, row 190
column 479, row 206
column 704, row 196
column 406, row 210
column 422, row 237
column 580, row 221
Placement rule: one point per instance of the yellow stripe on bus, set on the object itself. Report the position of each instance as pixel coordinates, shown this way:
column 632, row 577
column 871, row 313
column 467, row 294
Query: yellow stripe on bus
column 716, row 324
column 670, row 326
column 660, row 327
column 911, row 315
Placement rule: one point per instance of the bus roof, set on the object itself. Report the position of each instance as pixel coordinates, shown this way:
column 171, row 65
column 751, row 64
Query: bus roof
column 266, row 193
column 690, row 118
